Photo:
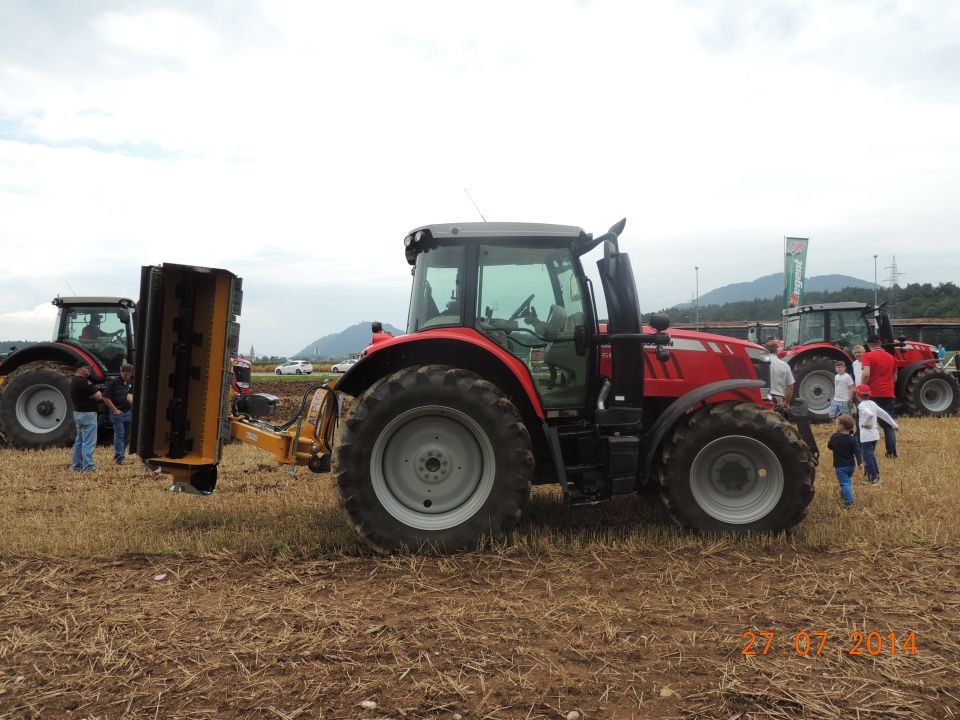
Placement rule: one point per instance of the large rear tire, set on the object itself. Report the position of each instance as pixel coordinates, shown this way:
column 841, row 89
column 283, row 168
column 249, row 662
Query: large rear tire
column 813, row 383
column 35, row 407
column 932, row 391
column 736, row 468
column 433, row 456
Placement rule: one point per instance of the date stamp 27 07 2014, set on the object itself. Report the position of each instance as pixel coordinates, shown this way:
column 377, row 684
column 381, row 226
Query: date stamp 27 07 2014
column 815, row 642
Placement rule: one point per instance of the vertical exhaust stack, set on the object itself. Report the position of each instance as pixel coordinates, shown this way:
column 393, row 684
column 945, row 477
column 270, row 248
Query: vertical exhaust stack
column 187, row 336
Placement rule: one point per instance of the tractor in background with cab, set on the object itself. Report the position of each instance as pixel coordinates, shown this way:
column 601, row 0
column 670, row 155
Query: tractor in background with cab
column 817, row 336
column 35, row 406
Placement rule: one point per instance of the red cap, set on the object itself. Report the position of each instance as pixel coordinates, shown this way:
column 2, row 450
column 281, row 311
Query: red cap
column 863, row 390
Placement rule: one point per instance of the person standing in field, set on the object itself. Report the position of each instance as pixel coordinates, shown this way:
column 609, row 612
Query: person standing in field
column 85, row 397
column 870, row 414
column 880, row 373
column 857, row 365
column 781, row 378
column 118, row 397
column 941, row 353
column 846, row 456
column 842, row 391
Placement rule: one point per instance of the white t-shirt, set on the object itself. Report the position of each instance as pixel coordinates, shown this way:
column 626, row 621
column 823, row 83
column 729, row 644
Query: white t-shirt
column 869, row 412
column 780, row 376
column 857, row 372
column 842, row 387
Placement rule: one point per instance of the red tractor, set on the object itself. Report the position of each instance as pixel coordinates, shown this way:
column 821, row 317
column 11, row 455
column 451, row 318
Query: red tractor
column 816, row 336
column 505, row 378
column 35, row 406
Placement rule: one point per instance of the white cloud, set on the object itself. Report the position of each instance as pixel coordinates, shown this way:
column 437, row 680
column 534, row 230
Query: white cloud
column 296, row 143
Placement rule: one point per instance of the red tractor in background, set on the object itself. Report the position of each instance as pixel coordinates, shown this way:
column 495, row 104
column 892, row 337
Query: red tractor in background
column 35, row 406
column 484, row 396
column 816, row 336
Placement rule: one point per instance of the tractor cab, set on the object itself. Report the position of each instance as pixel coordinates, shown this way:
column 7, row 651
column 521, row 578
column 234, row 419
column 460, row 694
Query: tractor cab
column 101, row 325
column 523, row 292
column 844, row 324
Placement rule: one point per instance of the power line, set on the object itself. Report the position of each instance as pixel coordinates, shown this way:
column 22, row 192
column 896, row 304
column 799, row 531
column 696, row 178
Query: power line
column 894, row 281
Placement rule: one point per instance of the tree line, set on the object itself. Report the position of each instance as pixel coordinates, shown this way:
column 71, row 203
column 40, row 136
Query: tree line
column 916, row 300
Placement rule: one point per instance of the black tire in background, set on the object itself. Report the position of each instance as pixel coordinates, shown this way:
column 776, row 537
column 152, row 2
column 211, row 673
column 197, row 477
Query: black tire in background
column 932, row 391
column 35, row 407
column 433, row 457
column 813, row 383
column 736, row 467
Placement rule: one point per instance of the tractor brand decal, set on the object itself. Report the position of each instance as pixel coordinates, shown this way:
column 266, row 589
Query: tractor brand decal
column 251, row 436
column 794, row 270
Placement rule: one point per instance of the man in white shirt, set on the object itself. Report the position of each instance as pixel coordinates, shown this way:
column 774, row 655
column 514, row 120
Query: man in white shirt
column 781, row 378
column 857, row 365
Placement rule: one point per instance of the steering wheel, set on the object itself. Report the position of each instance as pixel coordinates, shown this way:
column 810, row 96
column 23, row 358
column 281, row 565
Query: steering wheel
column 523, row 309
column 116, row 335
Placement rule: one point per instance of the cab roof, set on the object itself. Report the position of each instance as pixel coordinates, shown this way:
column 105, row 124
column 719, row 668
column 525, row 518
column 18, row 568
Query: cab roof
column 827, row 306
column 500, row 231
column 91, row 300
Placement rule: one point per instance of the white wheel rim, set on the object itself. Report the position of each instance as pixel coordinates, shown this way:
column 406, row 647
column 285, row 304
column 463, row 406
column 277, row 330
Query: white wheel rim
column 736, row 479
column 41, row 409
column 432, row 468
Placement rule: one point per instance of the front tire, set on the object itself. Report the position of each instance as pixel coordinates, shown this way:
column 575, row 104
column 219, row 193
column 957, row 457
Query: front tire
column 433, row 456
column 736, row 468
column 933, row 392
column 35, row 407
column 814, row 382
column 278, row 372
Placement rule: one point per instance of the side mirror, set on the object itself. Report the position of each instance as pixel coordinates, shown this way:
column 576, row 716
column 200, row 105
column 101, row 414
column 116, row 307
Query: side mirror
column 124, row 315
column 660, row 321
column 663, row 354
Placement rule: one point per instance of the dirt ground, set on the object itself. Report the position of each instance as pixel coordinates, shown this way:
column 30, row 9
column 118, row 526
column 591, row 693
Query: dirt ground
column 537, row 629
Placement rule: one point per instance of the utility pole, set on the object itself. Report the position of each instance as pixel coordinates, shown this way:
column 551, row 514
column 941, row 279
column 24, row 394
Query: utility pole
column 874, row 280
column 894, row 281
column 697, row 306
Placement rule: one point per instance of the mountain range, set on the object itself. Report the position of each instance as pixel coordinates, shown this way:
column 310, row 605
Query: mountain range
column 770, row 286
column 342, row 344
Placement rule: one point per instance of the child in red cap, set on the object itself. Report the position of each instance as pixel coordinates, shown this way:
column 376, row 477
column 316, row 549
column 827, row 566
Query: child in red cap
column 869, row 412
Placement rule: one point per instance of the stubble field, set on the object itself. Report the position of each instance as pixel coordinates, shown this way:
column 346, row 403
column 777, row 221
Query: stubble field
column 119, row 599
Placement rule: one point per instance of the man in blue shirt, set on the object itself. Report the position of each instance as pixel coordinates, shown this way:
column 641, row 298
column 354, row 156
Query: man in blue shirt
column 118, row 397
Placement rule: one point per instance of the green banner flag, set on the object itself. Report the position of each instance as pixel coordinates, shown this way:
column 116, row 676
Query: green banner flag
column 794, row 270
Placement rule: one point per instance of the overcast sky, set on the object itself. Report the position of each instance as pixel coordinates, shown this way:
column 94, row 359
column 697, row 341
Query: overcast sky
column 295, row 143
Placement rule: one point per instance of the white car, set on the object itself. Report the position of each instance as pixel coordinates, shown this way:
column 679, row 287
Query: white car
column 343, row 365
column 294, row 367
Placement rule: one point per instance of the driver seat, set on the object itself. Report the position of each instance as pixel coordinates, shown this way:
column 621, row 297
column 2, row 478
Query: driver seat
column 561, row 352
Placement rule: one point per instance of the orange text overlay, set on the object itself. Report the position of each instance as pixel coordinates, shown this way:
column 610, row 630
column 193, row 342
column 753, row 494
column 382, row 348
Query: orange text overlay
column 815, row 642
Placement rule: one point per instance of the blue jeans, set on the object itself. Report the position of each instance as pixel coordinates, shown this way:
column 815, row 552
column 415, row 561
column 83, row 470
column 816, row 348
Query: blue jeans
column 870, row 459
column 86, row 441
column 889, row 434
column 845, row 477
column 121, row 434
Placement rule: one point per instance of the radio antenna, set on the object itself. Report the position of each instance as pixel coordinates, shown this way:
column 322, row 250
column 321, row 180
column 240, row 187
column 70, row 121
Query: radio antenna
column 68, row 285
column 475, row 206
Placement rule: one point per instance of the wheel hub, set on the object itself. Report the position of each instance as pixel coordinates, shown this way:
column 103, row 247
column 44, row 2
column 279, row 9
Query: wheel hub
column 733, row 472
column 432, row 467
column 45, row 408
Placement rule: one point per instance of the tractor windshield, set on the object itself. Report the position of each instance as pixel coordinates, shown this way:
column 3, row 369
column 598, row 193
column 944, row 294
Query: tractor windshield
column 102, row 331
column 803, row 328
column 437, row 295
column 848, row 328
